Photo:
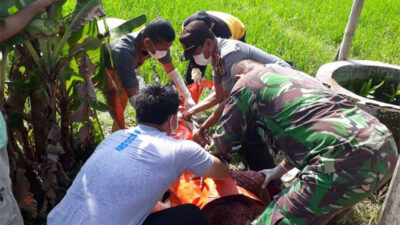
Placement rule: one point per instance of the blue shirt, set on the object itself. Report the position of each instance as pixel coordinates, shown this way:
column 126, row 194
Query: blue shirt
column 3, row 131
column 126, row 175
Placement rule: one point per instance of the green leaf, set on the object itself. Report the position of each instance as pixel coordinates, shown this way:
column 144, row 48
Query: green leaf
column 126, row 27
column 66, row 73
column 90, row 29
column 55, row 11
column 109, row 23
column 11, row 42
column 98, row 132
column 5, row 5
column 68, row 31
column 35, row 55
column 99, row 106
column 43, row 46
column 41, row 26
column 20, row 85
column 12, row 10
column 398, row 90
column 363, row 90
column 373, row 89
column 74, row 80
column 92, row 10
column 366, row 88
column 90, row 43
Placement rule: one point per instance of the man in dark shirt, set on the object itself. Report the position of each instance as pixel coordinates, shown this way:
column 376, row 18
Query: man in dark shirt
column 129, row 53
column 223, row 25
column 200, row 43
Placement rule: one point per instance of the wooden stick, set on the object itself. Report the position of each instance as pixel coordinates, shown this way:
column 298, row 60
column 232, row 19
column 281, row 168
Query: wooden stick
column 350, row 29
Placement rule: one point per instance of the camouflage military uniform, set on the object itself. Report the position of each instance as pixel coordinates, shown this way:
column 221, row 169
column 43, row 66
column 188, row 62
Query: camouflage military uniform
column 344, row 153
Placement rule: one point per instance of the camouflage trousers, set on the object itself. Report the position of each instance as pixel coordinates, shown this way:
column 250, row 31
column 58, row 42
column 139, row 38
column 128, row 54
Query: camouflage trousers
column 316, row 197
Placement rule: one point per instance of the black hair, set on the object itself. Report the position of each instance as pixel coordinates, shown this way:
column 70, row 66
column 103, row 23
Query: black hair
column 199, row 15
column 155, row 103
column 159, row 30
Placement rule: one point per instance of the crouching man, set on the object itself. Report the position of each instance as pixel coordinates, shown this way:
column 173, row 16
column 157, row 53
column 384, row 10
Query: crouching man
column 344, row 153
column 131, row 169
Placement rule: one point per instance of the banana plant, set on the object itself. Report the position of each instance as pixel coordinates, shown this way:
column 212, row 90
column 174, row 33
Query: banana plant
column 49, row 98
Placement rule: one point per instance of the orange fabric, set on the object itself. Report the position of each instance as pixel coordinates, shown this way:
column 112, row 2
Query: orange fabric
column 183, row 131
column 196, row 89
column 201, row 192
column 120, row 100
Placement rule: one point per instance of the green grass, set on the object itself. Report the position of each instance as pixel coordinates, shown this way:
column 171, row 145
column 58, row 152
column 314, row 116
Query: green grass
column 306, row 32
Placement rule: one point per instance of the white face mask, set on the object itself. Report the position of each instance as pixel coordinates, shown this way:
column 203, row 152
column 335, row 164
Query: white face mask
column 201, row 60
column 173, row 128
column 158, row 54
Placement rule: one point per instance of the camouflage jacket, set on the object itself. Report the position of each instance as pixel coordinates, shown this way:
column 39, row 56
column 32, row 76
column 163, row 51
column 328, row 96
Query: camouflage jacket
column 295, row 114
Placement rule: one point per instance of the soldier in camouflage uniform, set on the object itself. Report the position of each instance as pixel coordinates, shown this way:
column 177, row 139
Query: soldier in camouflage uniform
column 344, row 153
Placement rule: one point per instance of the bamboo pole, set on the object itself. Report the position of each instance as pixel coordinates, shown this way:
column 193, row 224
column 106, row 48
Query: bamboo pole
column 351, row 27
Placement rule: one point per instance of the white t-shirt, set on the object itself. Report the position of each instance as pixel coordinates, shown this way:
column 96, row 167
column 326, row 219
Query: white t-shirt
column 126, row 175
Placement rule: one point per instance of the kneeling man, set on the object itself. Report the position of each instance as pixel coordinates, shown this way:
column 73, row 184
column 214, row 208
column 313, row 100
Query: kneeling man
column 132, row 168
column 344, row 153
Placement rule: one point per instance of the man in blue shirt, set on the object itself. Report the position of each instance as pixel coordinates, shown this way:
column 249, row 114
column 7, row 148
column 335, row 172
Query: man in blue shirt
column 132, row 168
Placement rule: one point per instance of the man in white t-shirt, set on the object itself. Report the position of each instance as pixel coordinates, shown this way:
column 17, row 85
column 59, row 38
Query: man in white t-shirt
column 131, row 169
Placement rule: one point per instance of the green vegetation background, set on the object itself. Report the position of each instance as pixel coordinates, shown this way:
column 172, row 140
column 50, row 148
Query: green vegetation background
column 306, row 32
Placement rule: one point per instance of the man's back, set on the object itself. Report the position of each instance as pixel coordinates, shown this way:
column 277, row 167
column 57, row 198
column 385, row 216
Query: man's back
column 127, row 174
column 299, row 116
column 232, row 51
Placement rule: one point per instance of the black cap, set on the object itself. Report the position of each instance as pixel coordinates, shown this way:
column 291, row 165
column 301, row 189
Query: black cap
column 199, row 15
column 193, row 35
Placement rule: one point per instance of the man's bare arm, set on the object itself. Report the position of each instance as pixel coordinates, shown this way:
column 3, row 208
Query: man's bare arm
column 213, row 99
column 218, row 169
column 16, row 22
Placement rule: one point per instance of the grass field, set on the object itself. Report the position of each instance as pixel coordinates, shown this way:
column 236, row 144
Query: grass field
column 306, row 32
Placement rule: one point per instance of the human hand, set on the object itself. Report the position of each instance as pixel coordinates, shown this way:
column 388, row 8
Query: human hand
column 273, row 174
column 189, row 102
column 43, row 4
column 196, row 75
column 199, row 137
column 186, row 115
column 268, row 177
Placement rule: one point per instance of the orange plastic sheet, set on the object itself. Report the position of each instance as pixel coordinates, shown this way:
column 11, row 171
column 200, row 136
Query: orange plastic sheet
column 195, row 190
column 196, row 89
column 200, row 192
